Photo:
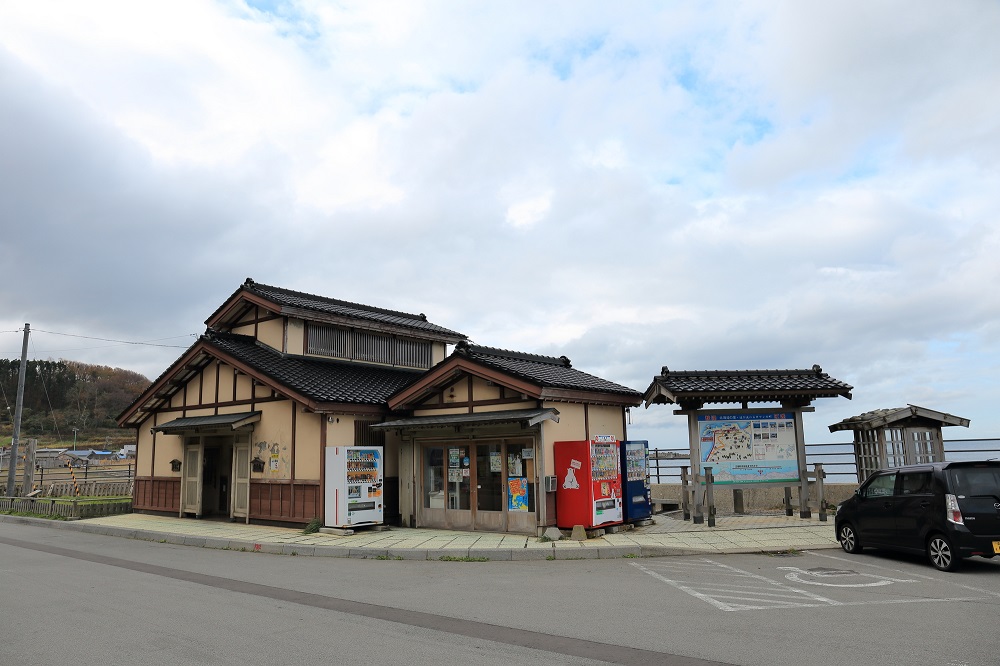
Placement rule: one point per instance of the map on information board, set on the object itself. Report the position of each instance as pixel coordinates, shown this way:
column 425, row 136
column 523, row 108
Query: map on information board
column 749, row 448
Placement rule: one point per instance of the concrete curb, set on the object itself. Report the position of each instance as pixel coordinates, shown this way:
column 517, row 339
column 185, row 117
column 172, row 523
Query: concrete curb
column 556, row 550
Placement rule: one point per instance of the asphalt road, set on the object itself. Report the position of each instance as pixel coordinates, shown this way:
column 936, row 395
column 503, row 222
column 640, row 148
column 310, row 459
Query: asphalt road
column 71, row 597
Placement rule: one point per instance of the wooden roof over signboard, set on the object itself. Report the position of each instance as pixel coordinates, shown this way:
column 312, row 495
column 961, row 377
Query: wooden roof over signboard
column 792, row 388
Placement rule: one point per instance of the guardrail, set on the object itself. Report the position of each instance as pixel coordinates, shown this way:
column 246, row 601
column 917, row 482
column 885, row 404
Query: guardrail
column 837, row 459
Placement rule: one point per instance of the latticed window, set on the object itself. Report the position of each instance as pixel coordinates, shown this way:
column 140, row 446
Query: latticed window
column 367, row 346
column 868, row 458
column 923, row 445
column 895, row 447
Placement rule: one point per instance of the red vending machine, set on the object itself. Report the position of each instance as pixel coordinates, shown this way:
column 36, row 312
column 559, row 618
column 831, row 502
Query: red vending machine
column 588, row 483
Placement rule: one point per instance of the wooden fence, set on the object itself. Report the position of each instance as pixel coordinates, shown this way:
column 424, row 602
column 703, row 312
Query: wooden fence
column 70, row 509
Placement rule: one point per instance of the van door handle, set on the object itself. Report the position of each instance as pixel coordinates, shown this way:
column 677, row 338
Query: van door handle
column 924, row 505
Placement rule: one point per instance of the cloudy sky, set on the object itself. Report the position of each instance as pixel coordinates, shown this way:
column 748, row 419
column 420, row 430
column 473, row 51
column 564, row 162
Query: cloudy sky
column 697, row 185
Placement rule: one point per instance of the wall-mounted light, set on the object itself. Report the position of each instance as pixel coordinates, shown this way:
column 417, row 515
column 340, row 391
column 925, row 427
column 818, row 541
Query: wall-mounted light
column 257, row 465
column 175, row 465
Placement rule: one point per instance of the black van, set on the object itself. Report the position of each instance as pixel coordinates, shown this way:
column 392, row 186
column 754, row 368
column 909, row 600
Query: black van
column 948, row 510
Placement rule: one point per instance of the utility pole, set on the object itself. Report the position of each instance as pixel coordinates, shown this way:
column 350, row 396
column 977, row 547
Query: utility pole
column 12, row 468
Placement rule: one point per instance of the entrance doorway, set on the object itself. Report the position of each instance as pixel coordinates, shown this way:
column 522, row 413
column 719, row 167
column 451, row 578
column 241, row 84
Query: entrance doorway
column 478, row 485
column 215, row 481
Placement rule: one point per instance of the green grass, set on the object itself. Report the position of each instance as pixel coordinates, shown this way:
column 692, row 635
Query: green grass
column 32, row 515
column 452, row 558
column 313, row 526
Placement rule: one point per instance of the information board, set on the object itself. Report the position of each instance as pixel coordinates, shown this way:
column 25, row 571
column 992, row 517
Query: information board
column 749, row 448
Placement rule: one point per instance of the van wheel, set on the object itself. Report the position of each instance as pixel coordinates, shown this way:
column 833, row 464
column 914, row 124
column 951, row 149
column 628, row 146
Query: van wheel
column 849, row 539
column 941, row 554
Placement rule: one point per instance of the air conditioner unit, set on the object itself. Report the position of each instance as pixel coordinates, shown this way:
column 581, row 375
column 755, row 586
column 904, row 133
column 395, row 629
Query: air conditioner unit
column 550, row 484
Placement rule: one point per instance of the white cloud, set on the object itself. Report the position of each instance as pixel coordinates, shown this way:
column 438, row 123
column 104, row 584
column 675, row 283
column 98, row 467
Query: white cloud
column 710, row 186
column 529, row 212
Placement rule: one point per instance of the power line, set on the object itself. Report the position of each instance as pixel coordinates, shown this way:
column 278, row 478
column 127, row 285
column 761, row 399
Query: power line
column 149, row 343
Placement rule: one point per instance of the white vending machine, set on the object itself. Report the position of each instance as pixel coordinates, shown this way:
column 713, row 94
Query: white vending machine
column 354, row 493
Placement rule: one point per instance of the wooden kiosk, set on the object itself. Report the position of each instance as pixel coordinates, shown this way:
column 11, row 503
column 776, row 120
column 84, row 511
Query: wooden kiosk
column 894, row 437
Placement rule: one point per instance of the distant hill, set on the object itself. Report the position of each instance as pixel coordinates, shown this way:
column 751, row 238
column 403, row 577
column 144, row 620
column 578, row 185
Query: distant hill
column 62, row 395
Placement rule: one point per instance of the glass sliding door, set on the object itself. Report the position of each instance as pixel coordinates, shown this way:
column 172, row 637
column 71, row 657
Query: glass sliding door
column 490, row 514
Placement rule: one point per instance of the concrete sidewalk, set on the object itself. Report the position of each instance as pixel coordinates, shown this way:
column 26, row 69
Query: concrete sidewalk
column 667, row 536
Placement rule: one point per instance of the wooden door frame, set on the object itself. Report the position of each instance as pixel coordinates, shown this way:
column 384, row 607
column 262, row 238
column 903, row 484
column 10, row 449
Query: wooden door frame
column 198, row 448
column 504, row 441
column 237, row 446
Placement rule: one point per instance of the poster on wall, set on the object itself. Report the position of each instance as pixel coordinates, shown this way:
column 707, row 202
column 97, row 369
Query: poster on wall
column 454, row 475
column 514, row 465
column 496, row 464
column 749, row 448
column 517, row 494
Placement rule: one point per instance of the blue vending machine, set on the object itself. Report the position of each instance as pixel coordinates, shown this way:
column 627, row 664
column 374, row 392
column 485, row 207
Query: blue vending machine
column 635, row 480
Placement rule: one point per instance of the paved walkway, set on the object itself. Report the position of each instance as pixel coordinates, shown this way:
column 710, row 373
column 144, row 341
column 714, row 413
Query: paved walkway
column 669, row 535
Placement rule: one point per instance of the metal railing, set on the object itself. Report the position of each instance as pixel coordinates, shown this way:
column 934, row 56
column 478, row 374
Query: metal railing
column 837, row 458
column 103, row 477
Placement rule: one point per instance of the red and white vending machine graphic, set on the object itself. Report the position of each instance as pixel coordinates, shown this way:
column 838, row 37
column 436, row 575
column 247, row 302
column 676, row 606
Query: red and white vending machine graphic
column 354, row 493
column 589, row 483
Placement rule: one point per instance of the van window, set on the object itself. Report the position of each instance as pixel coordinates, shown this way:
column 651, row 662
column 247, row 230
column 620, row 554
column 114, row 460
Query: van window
column 881, row 486
column 915, row 483
column 973, row 481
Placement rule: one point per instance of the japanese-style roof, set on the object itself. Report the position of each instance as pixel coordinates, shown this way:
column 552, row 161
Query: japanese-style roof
column 909, row 415
column 319, row 384
column 692, row 389
column 547, row 371
column 527, row 416
column 208, row 423
column 325, row 310
column 539, row 377
column 320, row 380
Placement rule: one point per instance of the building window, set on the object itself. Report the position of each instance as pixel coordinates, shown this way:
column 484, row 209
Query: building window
column 367, row 346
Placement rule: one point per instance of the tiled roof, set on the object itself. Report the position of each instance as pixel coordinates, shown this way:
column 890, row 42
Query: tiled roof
column 546, row 371
column 297, row 299
column 880, row 418
column 720, row 386
column 529, row 416
column 220, row 421
column 319, row 380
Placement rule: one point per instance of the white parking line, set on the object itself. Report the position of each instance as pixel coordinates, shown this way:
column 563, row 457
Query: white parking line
column 908, row 573
column 734, row 597
column 743, row 590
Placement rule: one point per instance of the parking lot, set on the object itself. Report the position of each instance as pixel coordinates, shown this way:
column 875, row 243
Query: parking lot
column 818, row 579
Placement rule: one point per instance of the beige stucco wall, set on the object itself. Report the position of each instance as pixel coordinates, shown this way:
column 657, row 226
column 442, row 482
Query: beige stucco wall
column 340, row 431
column 272, row 333
column 606, row 420
column 244, row 387
column 272, row 440
column 573, row 426
column 295, row 337
column 438, row 352
column 168, row 447
column 308, row 460
column 482, row 390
